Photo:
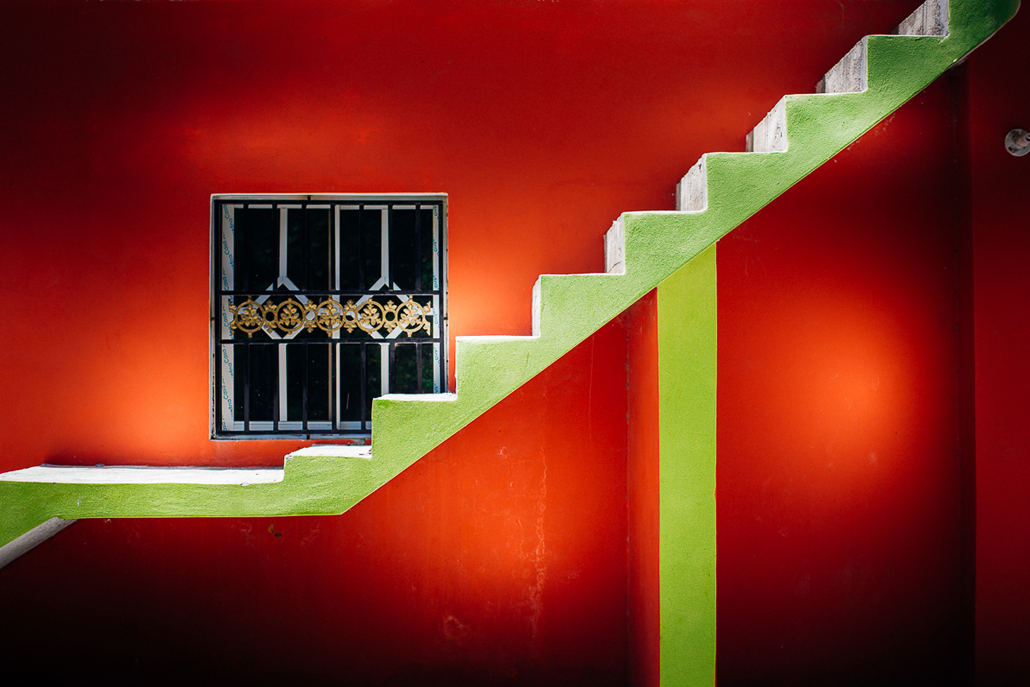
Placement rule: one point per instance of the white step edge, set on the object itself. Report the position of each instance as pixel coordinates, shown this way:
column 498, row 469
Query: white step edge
column 31, row 539
column 848, row 75
column 429, row 398
column 770, row 134
column 537, row 308
column 615, row 248
column 929, row 19
column 350, row 450
column 692, row 191
column 488, row 339
column 139, row 474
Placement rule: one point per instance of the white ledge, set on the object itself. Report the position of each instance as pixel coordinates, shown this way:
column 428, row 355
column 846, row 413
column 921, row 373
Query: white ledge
column 338, row 450
column 493, row 338
column 138, row 474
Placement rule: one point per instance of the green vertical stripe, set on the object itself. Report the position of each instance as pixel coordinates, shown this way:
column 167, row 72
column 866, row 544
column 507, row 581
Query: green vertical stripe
column 686, row 382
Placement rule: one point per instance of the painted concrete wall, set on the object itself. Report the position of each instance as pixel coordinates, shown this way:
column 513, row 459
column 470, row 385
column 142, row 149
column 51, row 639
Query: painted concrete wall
column 840, row 458
column 501, row 558
column 508, row 567
column 872, row 420
column 1001, row 246
column 643, row 494
column 687, row 377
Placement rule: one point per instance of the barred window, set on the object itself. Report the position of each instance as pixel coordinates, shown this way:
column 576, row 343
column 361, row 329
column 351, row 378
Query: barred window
column 321, row 303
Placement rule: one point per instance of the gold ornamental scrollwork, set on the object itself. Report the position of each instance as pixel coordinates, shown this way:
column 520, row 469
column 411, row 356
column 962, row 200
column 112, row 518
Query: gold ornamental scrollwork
column 289, row 315
column 371, row 316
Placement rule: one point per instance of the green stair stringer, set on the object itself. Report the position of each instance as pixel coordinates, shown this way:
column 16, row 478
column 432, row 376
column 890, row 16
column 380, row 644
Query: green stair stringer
column 643, row 249
column 571, row 307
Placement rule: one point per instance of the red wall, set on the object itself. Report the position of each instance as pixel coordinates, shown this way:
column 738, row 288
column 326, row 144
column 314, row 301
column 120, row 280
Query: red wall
column 501, row 557
column 642, row 493
column 840, row 471
column 543, row 123
column 1001, row 250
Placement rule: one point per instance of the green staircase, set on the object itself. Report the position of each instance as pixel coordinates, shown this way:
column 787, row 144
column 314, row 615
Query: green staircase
column 642, row 249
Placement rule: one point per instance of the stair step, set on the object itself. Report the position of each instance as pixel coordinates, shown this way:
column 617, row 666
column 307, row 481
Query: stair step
column 614, row 249
column 770, row 135
column 142, row 474
column 848, row 75
column 692, row 190
column 929, row 19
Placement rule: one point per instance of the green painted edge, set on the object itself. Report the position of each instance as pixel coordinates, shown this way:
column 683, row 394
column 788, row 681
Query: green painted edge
column 687, row 334
column 572, row 306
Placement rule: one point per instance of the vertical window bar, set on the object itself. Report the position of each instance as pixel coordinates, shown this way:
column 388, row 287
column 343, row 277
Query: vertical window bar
column 334, row 266
column 284, row 241
column 384, row 254
column 241, row 248
column 282, row 387
column 384, row 247
column 436, row 286
column 305, row 239
column 225, row 281
column 280, row 397
column 334, row 248
column 334, row 366
column 335, row 410
column 437, row 367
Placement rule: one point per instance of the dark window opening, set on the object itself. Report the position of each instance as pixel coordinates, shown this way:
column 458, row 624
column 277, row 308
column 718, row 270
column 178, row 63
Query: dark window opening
column 320, row 304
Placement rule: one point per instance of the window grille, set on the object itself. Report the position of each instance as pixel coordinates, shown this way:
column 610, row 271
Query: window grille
column 320, row 304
